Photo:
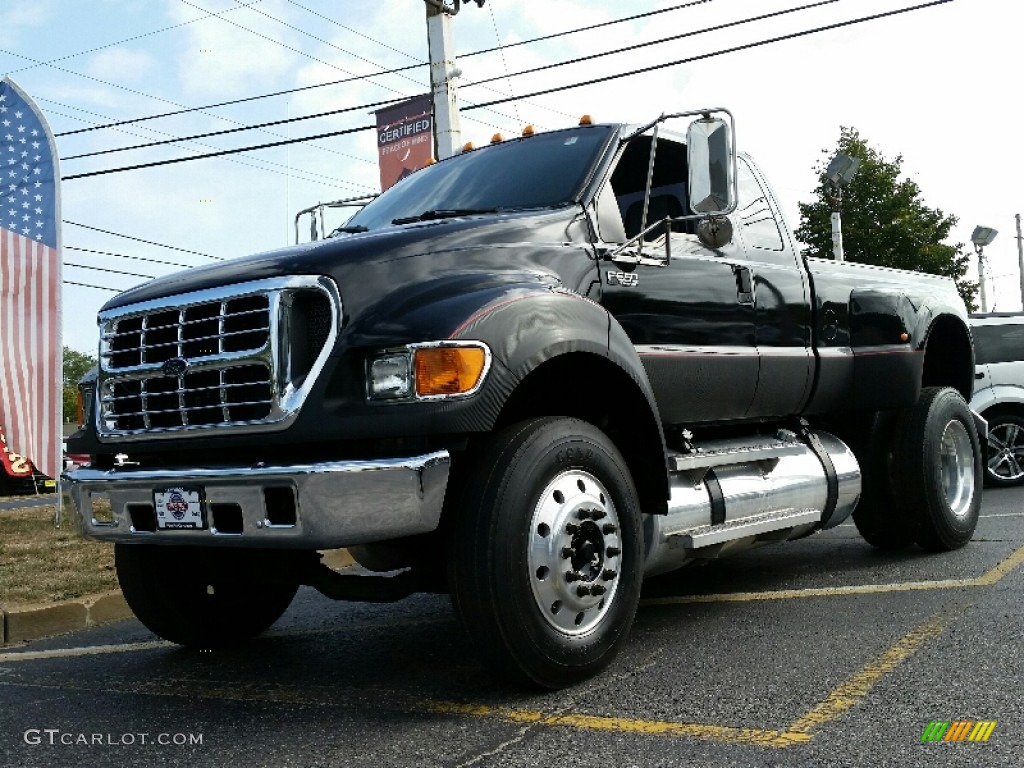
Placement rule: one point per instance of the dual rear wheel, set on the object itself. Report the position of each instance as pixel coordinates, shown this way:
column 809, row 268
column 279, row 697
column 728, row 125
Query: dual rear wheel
column 922, row 475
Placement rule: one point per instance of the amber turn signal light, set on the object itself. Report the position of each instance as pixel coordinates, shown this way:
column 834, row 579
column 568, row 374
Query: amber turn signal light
column 448, row 370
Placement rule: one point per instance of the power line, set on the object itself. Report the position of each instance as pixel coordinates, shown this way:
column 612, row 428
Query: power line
column 97, row 287
column 469, row 106
column 314, row 58
column 361, row 107
column 301, row 173
column 243, row 100
column 216, row 154
column 581, row 29
column 140, row 240
column 238, row 7
column 111, row 271
column 721, row 52
column 544, row 91
column 692, row 33
column 126, row 256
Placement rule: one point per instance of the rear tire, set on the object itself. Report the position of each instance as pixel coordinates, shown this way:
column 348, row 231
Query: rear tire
column 880, row 518
column 547, row 497
column 940, row 469
column 201, row 597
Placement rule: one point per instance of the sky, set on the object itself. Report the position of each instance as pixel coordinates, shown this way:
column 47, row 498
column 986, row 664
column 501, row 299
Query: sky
column 934, row 86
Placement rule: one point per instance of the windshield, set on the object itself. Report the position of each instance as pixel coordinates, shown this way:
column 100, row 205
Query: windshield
column 541, row 171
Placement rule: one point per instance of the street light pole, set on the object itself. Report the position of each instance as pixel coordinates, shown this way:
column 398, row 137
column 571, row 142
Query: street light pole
column 443, row 77
column 981, row 237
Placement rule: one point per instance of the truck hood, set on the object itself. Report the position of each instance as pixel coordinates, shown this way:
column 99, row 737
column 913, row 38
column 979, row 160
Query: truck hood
column 391, row 253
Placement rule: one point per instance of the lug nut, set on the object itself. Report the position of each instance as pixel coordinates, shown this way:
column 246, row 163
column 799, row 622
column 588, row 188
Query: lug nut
column 571, row 528
column 582, row 590
column 598, row 590
column 608, row 528
column 608, row 574
column 572, row 576
column 599, row 513
column 567, row 552
column 583, row 514
column 612, row 552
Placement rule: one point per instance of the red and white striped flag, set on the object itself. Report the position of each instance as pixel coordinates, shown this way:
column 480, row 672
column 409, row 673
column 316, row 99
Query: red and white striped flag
column 31, row 365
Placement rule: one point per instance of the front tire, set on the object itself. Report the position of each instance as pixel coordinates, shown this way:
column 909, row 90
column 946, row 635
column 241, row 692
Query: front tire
column 201, row 597
column 939, row 469
column 545, row 554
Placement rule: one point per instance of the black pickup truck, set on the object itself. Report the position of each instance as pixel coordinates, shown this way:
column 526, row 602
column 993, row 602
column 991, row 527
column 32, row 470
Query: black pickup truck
column 529, row 375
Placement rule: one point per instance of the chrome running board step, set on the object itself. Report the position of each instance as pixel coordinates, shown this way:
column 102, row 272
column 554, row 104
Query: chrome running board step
column 708, row 535
column 736, row 453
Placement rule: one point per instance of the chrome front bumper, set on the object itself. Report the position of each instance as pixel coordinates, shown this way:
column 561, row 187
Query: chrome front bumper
column 333, row 504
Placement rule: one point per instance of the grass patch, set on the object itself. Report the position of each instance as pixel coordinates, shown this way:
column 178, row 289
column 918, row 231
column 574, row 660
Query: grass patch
column 41, row 564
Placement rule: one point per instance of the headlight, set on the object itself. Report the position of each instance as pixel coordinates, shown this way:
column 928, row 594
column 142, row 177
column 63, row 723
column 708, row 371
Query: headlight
column 427, row 371
column 389, row 377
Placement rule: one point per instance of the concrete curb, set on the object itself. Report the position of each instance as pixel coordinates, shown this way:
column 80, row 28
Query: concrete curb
column 19, row 625
column 35, row 622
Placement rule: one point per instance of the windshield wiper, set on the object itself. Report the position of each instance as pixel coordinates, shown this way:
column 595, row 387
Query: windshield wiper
column 352, row 230
column 442, row 213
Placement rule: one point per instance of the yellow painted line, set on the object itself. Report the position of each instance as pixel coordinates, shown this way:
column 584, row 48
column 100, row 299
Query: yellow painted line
column 98, row 650
column 1001, row 570
column 985, row 580
column 850, row 693
column 789, row 594
column 94, row 650
column 717, row 733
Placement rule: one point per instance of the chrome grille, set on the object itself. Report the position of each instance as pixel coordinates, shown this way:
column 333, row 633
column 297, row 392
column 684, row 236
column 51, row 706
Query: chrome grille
column 197, row 331
column 238, row 357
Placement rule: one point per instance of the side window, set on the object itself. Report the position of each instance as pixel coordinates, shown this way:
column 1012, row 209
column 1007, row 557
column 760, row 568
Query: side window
column 998, row 343
column 668, row 184
column 760, row 229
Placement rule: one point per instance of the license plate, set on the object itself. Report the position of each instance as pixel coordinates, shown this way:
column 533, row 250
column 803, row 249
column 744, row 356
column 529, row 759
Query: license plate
column 179, row 508
column 49, row 483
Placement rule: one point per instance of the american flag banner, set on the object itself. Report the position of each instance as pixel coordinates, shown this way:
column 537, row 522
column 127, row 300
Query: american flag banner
column 31, row 365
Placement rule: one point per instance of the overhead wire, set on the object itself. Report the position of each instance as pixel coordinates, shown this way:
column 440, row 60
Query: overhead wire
column 659, row 41
column 106, row 269
column 554, row 89
column 152, row 32
column 127, row 256
column 141, row 240
column 301, row 173
column 469, row 105
column 97, row 287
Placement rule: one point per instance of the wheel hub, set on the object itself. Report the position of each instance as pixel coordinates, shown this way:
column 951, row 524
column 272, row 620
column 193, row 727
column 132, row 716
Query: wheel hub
column 574, row 552
column 957, row 467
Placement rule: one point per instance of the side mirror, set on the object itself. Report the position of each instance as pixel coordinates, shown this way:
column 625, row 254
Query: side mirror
column 712, row 167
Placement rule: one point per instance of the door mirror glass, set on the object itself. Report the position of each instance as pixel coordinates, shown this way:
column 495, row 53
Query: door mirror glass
column 711, row 165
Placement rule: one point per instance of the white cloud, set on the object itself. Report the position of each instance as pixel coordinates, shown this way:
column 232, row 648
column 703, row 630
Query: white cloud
column 122, row 65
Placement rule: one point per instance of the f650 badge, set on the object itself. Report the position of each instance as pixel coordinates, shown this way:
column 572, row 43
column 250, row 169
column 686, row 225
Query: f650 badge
column 625, row 279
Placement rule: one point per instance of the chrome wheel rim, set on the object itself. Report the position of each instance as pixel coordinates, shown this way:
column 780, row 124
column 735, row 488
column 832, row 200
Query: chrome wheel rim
column 574, row 552
column 956, row 462
column 1006, row 452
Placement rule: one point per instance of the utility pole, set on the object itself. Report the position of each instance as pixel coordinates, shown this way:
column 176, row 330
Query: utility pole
column 443, row 78
column 1020, row 258
column 981, row 278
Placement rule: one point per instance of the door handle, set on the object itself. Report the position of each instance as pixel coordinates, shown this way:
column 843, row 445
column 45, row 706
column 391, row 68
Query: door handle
column 744, row 284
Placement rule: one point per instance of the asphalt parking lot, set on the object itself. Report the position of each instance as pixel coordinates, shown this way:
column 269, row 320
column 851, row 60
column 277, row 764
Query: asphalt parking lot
column 818, row 652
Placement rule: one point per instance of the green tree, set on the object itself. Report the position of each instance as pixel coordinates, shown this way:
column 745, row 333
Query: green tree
column 885, row 221
column 76, row 365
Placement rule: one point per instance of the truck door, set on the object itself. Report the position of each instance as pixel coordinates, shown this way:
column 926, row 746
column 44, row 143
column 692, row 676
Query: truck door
column 781, row 299
column 690, row 320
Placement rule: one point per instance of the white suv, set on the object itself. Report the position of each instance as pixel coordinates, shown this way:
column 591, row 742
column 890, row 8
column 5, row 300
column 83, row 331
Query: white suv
column 999, row 392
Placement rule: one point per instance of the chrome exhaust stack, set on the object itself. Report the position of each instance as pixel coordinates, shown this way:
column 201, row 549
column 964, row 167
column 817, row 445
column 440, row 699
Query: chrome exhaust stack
column 733, row 494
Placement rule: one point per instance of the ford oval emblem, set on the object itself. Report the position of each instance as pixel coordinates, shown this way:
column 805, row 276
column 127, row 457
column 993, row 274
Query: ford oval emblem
column 176, row 366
